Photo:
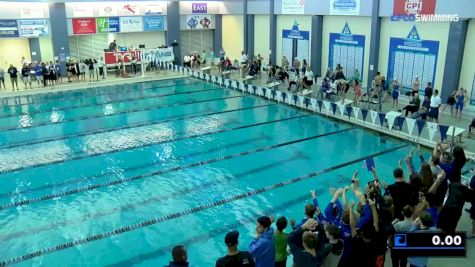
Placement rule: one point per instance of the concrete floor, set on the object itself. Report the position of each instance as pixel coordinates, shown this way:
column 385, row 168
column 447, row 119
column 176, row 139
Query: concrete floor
column 465, row 223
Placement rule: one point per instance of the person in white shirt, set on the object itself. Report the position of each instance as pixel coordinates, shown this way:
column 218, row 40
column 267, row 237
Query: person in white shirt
column 243, row 64
column 308, row 79
column 435, row 103
column 186, row 61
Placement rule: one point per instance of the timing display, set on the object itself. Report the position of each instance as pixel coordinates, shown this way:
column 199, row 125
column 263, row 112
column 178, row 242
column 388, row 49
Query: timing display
column 430, row 244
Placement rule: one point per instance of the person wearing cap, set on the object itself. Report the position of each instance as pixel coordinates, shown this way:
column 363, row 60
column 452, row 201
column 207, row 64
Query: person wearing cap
column 262, row 247
column 234, row 258
column 180, row 257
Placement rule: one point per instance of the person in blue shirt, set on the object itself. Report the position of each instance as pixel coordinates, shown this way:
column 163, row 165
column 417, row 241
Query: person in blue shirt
column 310, row 210
column 422, row 224
column 38, row 73
column 262, row 247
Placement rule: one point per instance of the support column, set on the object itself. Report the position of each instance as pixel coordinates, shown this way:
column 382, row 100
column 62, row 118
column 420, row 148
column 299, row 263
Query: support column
column 59, row 33
column 173, row 29
column 453, row 58
column 249, row 36
column 218, row 34
column 316, row 45
column 374, row 43
column 272, row 34
column 35, row 49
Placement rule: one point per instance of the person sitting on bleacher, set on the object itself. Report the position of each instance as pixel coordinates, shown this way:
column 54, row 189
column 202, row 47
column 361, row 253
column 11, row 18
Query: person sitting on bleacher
column 308, row 78
column 325, row 87
column 295, row 80
column 253, row 68
column 227, row 65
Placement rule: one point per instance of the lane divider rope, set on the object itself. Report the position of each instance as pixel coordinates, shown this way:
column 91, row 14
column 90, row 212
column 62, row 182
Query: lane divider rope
column 110, row 102
column 123, row 127
column 82, row 118
column 163, row 171
column 89, row 92
column 79, row 157
column 186, row 212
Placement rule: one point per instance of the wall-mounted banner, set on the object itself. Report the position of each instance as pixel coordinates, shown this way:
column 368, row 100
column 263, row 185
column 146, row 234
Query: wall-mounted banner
column 108, row 10
column 345, row 7
column 32, row 12
column 295, row 43
column 106, row 25
column 198, row 22
column 129, row 9
column 347, row 50
column 8, row 28
column 152, row 9
column 83, row 10
column 156, row 23
column 199, row 8
column 33, row 28
column 412, row 57
column 293, row 7
column 84, row 26
column 414, row 7
column 160, row 54
column 131, row 24
column 125, row 56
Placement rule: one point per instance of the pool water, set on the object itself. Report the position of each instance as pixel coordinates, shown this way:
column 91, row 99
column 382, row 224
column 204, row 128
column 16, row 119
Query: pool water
column 90, row 177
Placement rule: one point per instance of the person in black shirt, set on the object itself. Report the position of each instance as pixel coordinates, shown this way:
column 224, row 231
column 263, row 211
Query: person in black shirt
column 25, row 75
column 13, row 77
column 428, row 91
column 306, row 244
column 399, row 191
column 235, row 258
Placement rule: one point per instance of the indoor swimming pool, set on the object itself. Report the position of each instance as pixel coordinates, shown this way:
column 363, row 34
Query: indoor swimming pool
column 118, row 175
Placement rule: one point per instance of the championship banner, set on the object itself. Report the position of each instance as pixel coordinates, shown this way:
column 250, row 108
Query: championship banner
column 158, row 54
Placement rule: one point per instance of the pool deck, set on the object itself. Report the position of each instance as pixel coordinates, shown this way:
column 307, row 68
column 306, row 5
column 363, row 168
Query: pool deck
column 468, row 143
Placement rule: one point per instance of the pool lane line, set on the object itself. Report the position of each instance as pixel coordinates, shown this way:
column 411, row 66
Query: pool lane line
column 221, row 230
column 133, row 206
column 127, row 126
column 150, row 144
column 162, row 171
column 137, row 167
column 98, row 116
column 110, row 102
column 186, row 212
column 121, row 91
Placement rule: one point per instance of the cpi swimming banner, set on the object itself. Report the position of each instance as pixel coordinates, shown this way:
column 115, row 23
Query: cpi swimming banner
column 158, row 54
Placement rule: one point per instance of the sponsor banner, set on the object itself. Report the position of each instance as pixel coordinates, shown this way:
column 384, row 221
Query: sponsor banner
column 199, row 8
column 84, row 26
column 156, row 23
column 152, row 9
column 345, row 7
column 160, row 54
column 32, row 12
column 125, row 56
column 414, row 7
column 131, row 24
column 108, row 11
column 83, row 10
column 129, row 9
column 198, row 22
column 293, row 6
column 105, row 25
column 8, row 28
column 33, row 28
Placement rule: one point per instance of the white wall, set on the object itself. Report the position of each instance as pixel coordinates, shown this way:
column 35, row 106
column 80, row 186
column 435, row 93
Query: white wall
column 335, row 24
column 11, row 51
column 261, row 36
column 233, row 36
column 46, row 48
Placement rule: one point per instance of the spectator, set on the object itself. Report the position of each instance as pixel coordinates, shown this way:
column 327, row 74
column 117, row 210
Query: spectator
column 38, row 73
column 399, row 191
column 297, row 66
column 334, row 249
column 472, row 207
column 13, row 77
column 395, row 93
column 305, row 67
column 25, row 74
column 451, row 103
column 113, row 46
column 281, row 243
column 262, row 247
column 358, row 92
column 2, row 78
column 329, row 74
column 306, row 244
column 45, row 71
column 472, row 125
column 421, row 224
column 435, row 103
column 415, row 86
column 180, row 257
column 460, row 102
column 425, row 110
column 234, row 258
column 222, row 54
column 402, row 226
column 428, row 91
column 414, row 105
column 308, row 78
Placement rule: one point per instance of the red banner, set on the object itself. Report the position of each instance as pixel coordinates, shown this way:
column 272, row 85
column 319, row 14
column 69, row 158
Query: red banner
column 126, row 56
column 414, row 7
column 84, row 26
